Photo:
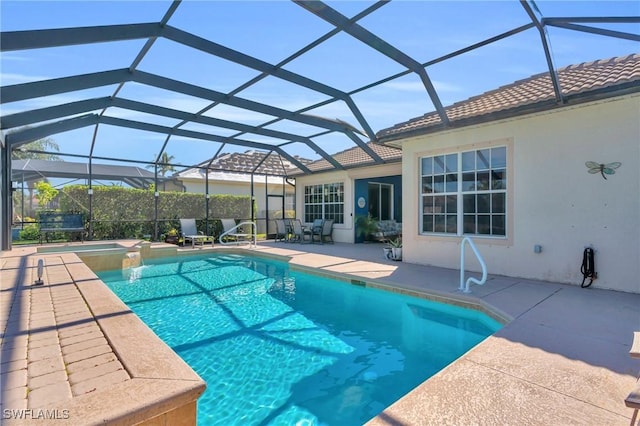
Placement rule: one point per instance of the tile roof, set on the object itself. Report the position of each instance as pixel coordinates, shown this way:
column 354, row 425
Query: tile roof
column 246, row 162
column 586, row 81
column 356, row 156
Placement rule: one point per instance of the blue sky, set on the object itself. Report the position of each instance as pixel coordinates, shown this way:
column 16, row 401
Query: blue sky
column 273, row 30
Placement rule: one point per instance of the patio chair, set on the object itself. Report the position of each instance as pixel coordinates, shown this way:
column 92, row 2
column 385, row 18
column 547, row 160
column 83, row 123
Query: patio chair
column 288, row 226
column 190, row 233
column 281, row 230
column 299, row 232
column 325, row 231
column 316, row 230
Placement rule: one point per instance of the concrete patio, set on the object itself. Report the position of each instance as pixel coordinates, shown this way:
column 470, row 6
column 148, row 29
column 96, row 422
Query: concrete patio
column 563, row 358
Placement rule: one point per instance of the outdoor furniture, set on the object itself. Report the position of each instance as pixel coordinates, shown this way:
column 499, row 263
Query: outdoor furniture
column 282, row 233
column 323, row 232
column 190, row 233
column 299, row 232
column 228, row 226
column 316, row 229
column 634, row 352
column 61, row 222
column 387, row 230
column 288, row 226
column 326, row 231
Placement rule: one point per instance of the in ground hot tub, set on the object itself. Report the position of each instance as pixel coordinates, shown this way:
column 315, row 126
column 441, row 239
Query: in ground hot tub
column 100, row 256
column 81, row 248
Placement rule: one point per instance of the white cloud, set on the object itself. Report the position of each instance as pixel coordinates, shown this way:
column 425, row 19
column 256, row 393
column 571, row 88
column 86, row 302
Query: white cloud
column 14, row 57
column 448, row 87
column 9, row 78
column 406, row 86
column 418, row 86
column 180, row 103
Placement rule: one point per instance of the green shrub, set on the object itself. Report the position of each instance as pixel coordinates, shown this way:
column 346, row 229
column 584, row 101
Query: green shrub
column 30, row 232
column 119, row 212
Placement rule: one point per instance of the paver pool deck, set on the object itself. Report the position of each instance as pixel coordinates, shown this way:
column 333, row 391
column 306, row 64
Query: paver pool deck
column 562, row 359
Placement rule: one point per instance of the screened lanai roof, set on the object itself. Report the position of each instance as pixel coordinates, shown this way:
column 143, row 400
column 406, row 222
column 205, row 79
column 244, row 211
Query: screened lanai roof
column 197, row 80
column 32, row 170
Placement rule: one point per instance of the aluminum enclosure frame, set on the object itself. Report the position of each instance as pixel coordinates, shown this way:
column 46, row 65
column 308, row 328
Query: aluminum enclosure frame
column 20, row 128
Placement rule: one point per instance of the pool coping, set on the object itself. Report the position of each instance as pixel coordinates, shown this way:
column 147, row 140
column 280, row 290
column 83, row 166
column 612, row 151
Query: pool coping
column 432, row 295
column 159, row 386
column 89, row 246
column 160, row 374
column 458, row 299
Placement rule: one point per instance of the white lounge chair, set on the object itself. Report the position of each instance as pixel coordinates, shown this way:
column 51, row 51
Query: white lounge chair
column 228, row 226
column 189, row 232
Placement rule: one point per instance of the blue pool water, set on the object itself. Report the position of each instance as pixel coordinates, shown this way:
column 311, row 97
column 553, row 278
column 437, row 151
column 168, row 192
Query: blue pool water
column 282, row 347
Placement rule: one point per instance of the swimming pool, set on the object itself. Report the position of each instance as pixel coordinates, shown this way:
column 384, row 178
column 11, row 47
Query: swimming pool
column 278, row 346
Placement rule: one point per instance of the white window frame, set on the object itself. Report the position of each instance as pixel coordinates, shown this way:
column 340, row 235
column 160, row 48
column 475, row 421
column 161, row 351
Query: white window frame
column 325, row 201
column 496, row 188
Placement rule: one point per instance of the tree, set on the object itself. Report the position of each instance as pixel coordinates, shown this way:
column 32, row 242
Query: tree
column 42, row 145
column 45, row 193
column 163, row 164
column 46, row 144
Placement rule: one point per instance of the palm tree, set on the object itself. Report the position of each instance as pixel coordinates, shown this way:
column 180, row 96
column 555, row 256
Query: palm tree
column 39, row 145
column 164, row 165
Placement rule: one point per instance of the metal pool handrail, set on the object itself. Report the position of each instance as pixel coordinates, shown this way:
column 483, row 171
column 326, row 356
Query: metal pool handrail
column 252, row 242
column 464, row 286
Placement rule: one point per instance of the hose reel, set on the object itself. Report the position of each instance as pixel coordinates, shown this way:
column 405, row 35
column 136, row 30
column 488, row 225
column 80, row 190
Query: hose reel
column 588, row 267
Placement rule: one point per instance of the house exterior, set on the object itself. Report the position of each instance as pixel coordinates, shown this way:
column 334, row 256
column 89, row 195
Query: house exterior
column 521, row 175
column 344, row 195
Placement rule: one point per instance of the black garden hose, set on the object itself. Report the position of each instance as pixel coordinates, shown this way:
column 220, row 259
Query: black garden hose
column 588, row 268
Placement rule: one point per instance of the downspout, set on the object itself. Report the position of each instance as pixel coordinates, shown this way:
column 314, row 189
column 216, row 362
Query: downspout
column 284, row 198
column 266, row 192
column 266, row 202
column 295, row 195
column 252, row 197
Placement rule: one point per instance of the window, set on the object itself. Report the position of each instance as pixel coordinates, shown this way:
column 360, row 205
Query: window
column 324, row 202
column 465, row 193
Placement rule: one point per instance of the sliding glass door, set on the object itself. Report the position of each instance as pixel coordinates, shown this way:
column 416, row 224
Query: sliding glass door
column 381, row 200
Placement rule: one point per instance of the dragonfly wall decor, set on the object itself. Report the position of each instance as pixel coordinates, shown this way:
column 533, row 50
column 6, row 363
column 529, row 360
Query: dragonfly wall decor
column 603, row 169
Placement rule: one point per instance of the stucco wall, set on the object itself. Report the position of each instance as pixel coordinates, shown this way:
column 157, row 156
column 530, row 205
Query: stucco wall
column 239, row 188
column 554, row 202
